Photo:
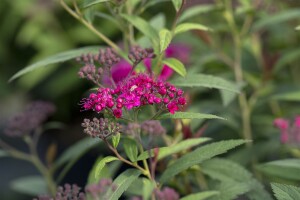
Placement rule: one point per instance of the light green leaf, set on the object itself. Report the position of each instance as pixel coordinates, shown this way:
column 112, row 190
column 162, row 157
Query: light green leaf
column 285, row 192
column 197, row 156
column 188, row 115
column 102, row 163
column 286, row 59
column 231, row 190
column 176, row 65
column 227, row 97
column 130, row 147
column 203, row 80
column 122, row 182
column 201, row 195
column 31, row 185
column 277, row 18
column 165, row 37
column 190, row 26
column 297, row 28
column 76, row 150
column 177, row 4
column 286, row 168
column 61, row 57
column 196, row 10
column 90, row 3
column 288, row 96
column 158, row 22
column 143, row 26
column 116, row 139
column 170, row 150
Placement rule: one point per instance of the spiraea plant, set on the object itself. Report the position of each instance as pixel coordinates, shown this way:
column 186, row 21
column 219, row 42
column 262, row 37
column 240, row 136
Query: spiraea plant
column 150, row 105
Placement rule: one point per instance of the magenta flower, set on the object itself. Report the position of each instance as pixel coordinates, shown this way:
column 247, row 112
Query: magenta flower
column 135, row 91
column 290, row 132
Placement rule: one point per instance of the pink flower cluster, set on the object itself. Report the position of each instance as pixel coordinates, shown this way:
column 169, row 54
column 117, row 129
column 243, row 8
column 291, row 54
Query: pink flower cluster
column 135, row 91
column 290, row 132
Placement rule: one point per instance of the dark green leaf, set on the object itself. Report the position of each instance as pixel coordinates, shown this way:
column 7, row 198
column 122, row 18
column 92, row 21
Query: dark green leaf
column 31, row 185
column 61, row 57
column 201, row 195
column 131, row 149
column 197, row 156
column 277, row 18
column 209, row 81
column 285, row 192
column 288, row 96
column 122, row 182
column 170, row 150
column 165, row 37
column 176, row 65
column 188, row 115
column 190, row 26
column 286, row 59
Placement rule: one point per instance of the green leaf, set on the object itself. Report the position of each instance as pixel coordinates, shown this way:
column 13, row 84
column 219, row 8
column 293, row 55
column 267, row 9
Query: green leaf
column 165, row 37
column 231, row 190
column 221, row 169
column 143, row 26
column 285, row 192
column 176, row 65
column 197, row 156
column 287, row 58
column 170, row 150
column 130, row 147
column 196, row 10
column 190, row 26
column 201, row 195
column 122, row 182
column 102, row 163
column 277, row 18
column 203, row 80
column 227, row 97
column 116, row 139
column 288, row 96
column 188, row 115
column 177, row 4
column 297, row 28
column 31, row 185
column 61, row 57
column 3, row 153
column 76, row 150
column 286, row 168
column 90, row 3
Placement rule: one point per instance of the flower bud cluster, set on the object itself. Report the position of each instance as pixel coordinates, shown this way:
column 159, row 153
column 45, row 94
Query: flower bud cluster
column 136, row 91
column 153, row 127
column 166, row 194
column 100, row 189
column 138, row 54
column 290, row 131
column 132, row 128
column 67, row 192
column 28, row 120
column 101, row 128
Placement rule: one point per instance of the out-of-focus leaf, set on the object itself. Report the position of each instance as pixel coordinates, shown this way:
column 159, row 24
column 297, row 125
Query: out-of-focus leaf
column 89, row 3
column 165, row 37
column 201, row 195
column 190, row 26
column 122, row 182
column 227, row 97
column 177, row 4
column 51, row 153
column 54, row 125
column 285, row 192
column 170, row 150
column 131, row 149
column 31, row 185
column 286, row 168
column 77, row 150
column 143, row 26
column 289, row 96
column 287, row 58
column 61, row 57
column 101, row 164
column 188, row 115
column 196, row 10
column 276, row 18
column 176, row 65
column 158, row 22
column 209, row 81
column 3, row 153
column 297, row 28
column 197, row 156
